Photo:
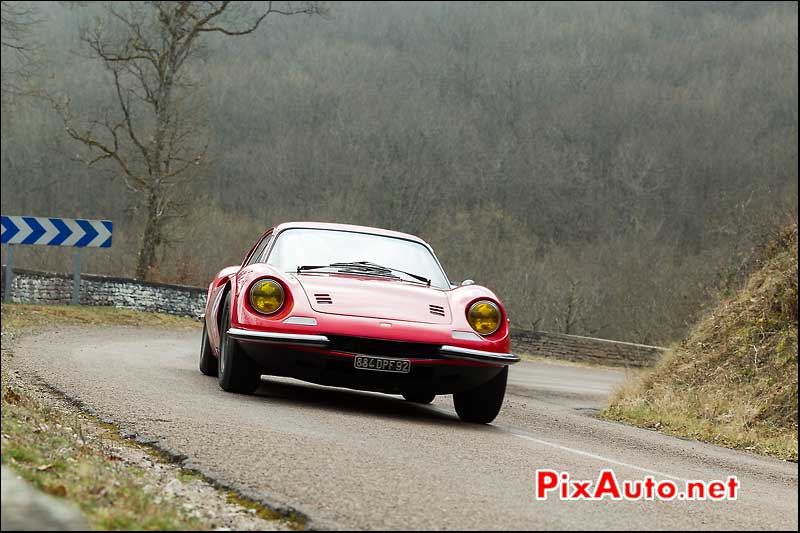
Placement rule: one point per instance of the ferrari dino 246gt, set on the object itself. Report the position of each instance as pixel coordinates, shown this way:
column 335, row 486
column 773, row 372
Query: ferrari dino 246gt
column 357, row 307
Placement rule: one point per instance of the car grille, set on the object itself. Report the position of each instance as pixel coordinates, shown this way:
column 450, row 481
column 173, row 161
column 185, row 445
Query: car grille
column 411, row 350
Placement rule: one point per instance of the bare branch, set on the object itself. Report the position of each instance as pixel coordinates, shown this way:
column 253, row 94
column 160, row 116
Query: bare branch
column 308, row 8
column 17, row 21
column 124, row 104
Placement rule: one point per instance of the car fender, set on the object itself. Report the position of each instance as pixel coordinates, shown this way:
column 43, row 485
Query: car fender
column 217, row 290
column 461, row 298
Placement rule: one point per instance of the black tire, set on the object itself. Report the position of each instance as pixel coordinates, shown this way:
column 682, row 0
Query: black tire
column 209, row 365
column 481, row 404
column 237, row 372
column 419, row 397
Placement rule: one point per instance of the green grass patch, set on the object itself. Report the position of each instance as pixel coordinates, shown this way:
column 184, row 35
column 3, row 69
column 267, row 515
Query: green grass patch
column 295, row 522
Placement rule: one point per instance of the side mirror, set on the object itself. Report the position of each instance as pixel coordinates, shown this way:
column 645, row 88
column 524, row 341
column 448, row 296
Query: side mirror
column 467, row 282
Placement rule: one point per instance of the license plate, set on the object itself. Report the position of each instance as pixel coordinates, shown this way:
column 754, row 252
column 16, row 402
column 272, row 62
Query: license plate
column 379, row 364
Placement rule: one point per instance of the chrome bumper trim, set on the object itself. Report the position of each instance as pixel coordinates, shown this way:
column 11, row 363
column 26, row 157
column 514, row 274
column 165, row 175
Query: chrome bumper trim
column 278, row 338
column 455, row 352
column 448, row 352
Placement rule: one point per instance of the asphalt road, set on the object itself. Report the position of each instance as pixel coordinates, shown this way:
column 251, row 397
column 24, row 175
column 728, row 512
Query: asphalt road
column 360, row 460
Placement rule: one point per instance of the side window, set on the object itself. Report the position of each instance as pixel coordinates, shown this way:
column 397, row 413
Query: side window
column 256, row 255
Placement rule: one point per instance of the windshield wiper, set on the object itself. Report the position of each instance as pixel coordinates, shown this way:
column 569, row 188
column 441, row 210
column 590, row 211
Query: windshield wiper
column 365, row 267
column 312, row 267
column 374, row 266
column 346, row 268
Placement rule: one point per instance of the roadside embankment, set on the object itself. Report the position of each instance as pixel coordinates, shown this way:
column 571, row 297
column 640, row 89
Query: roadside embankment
column 733, row 381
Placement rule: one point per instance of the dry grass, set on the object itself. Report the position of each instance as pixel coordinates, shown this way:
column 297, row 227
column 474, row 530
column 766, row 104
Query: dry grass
column 53, row 453
column 70, row 454
column 733, row 382
column 16, row 317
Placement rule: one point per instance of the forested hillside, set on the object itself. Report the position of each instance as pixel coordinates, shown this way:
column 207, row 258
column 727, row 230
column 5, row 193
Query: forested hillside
column 605, row 167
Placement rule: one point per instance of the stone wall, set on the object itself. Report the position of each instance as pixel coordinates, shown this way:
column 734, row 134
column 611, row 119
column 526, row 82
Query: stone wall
column 584, row 349
column 30, row 286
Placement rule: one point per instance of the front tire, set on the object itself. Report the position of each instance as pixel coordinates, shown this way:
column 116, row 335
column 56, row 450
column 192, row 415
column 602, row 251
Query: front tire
column 418, row 397
column 209, row 365
column 481, row 404
column 237, row 372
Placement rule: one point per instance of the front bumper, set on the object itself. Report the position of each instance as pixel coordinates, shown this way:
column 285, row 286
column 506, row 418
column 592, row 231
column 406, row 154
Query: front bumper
column 296, row 339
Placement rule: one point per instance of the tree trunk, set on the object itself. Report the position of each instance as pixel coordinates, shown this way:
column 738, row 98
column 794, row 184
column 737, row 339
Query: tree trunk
column 151, row 239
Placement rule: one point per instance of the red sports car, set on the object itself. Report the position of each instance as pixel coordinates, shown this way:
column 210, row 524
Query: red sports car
column 357, row 307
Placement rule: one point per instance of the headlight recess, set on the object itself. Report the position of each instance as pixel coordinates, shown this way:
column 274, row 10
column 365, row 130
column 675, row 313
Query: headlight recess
column 266, row 296
column 484, row 317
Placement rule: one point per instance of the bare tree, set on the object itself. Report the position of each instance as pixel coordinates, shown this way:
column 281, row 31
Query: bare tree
column 153, row 133
column 18, row 46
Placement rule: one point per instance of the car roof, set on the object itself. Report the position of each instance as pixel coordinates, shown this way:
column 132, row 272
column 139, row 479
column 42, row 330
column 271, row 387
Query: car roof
column 349, row 227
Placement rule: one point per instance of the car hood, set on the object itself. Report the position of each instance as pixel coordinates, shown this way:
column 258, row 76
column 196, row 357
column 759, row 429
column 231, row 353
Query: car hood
column 375, row 298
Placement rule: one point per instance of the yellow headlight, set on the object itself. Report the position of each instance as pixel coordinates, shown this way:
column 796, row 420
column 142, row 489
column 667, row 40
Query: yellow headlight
column 266, row 296
column 484, row 317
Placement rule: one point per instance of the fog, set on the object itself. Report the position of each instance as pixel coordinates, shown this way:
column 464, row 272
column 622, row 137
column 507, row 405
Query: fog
column 606, row 168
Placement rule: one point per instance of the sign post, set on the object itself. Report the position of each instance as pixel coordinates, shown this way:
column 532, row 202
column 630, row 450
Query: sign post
column 76, row 232
column 76, row 278
column 9, row 273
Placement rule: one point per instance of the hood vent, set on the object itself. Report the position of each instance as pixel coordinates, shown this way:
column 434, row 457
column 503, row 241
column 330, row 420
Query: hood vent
column 323, row 298
column 437, row 310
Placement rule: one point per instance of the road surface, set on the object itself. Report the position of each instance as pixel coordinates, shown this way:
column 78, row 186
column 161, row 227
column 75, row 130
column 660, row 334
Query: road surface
column 348, row 459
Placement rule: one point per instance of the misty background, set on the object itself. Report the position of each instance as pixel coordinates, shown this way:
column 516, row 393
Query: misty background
column 606, row 168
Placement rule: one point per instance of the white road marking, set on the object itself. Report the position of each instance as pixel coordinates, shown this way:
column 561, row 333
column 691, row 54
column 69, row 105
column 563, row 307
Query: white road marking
column 575, row 451
column 595, row 456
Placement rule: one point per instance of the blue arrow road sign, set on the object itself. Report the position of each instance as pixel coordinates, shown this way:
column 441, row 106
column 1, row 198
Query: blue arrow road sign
column 77, row 232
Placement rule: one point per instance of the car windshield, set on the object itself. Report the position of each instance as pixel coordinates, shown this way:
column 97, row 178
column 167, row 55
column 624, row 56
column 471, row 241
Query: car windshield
column 299, row 247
